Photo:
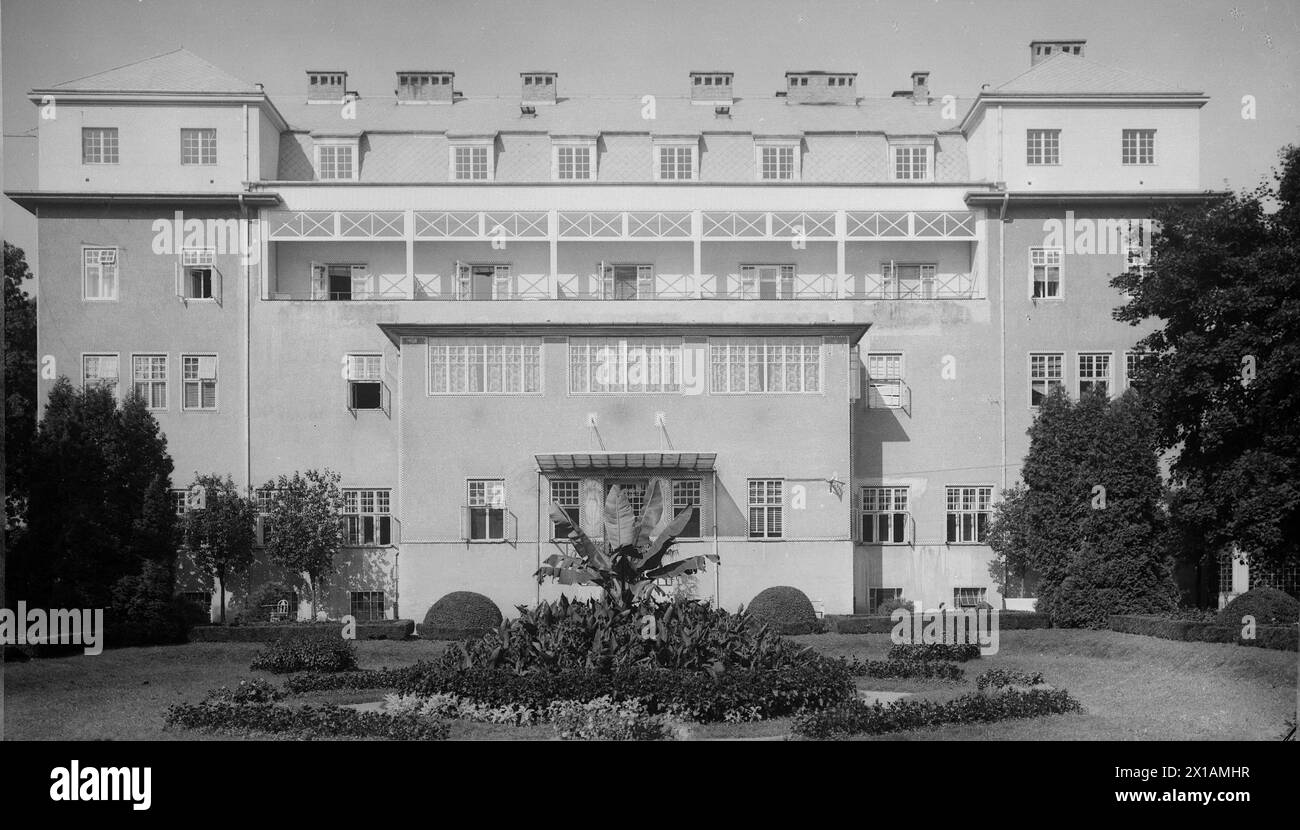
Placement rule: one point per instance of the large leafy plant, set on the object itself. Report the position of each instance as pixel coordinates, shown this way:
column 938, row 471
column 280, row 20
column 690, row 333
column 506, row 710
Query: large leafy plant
column 631, row 556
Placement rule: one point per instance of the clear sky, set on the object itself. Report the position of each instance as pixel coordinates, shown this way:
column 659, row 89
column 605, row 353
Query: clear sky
column 1226, row 49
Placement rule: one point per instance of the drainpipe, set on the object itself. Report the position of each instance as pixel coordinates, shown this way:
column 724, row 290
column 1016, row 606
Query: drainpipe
column 1002, row 321
column 248, row 336
column 717, row 566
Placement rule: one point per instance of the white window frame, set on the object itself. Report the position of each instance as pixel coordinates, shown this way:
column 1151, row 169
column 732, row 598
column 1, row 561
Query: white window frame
column 359, row 370
column 356, row 500
column 117, row 383
column 691, row 143
column 767, row 504
column 195, row 139
column 1051, row 258
column 488, row 145
column 1046, row 378
column 983, row 495
column 567, row 494
column 975, row 594
column 102, row 147
column 559, row 145
column 98, row 268
column 353, row 145
column 1130, row 359
column 1133, row 148
column 762, row 145
column 926, row 145
column 491, row 499
column 194, row 259
column 1108, row 378
column 1043, row 144
column 927, row 276
column 151, row 382
column 450, row 361
column 724, row 350
column 655, row 361
column 888, row 500
column 885, row 390
column 216, row 384
column 368, row 602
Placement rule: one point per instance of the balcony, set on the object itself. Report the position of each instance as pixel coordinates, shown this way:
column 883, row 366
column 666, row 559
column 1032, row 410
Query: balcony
column 587, row 287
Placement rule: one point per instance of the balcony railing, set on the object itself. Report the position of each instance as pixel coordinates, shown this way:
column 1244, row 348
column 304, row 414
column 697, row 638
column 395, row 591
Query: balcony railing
column 448, row 287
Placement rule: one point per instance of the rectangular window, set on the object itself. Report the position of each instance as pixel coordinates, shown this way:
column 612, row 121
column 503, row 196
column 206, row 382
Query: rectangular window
column 1138, row 147
column 99, row 273
column 1046, row 372
column 470, row 163
column 1094, row 372
column 199, row 382
column 366, row 520
column 1133, row 369
column 573, row 163
column 627, row 282
column 776, row 163
column 686, row 495
column 909, row 281
column 969, row 509
column 625, row 365
column 99, row 145
column 365, row 381
column 487, row 509
column 180, row 500
column 911, row 163
column 766, row 365
column 1042, row 147
column 337, row 162
column 969, row 597
column 197, row 274
column 885, row 381
column 878, row 596
column 676, row 162
column 100, row 370
column 149, row 379
column 485, row 366
column 199, row 146
column 567, row 495
column 1046, row 271
column 765, row 519
column 366, row 605
column 263, row 499
column 767, row 282
column 883, row 516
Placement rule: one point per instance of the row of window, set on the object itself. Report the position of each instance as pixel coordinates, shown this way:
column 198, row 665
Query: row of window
column 962, row 597
column 365, row 606
column 1093, row 372
column 577, row 160
column 100, row 145
column 1047, row 265
column 885, row 519
column 150, row 376
column 1043, row 147
column 367, row 516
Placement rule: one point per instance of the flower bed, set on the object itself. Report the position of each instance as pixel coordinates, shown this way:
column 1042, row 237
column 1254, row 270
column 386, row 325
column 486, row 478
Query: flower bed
column 907, row 668
column 298, row 655
column 956, row 652
column 304, row 721
column 859, row 718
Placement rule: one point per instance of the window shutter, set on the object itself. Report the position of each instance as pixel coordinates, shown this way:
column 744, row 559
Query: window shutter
column 606, row 280
column 501, row 282
column 464, row 522
column 361, row 283
column 787, row 282
column 855, row 373
column 216, row 286
column 319, row 282
column 180, row 285
column 748, row 282
column 645, row 281
column 464, row 289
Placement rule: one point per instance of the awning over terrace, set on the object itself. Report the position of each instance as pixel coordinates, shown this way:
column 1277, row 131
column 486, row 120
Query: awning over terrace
column 568, row 462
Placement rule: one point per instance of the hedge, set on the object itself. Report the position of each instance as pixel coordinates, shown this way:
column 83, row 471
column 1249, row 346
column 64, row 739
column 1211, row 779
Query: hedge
column 305, row 721
column 269, row 632
column 360, row 679
column 901, row 669
column 956, row 652
column 786, row 610
column 859, row 718
column 1280, row 637
column 460, row 615
column 876, row 624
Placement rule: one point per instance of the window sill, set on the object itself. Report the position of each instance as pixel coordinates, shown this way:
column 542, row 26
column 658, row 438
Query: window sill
column 486, row 541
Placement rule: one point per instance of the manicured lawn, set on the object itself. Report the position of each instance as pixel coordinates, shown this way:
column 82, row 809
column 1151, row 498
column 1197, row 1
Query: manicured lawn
column 1131, row 687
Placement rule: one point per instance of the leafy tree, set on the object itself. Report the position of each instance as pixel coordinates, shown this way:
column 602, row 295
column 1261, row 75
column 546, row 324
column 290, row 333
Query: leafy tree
column 1096, row 551
column 220, row 537
column 1224, row 381
column 19, row 385
column 626, row 563
column 306, row 518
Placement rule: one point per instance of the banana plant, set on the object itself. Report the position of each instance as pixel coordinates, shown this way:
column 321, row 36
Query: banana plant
column 630, row 557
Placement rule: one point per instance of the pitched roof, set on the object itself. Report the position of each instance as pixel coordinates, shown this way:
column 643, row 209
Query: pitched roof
column 614, row 114
column 1066, row 74
column 178, row 71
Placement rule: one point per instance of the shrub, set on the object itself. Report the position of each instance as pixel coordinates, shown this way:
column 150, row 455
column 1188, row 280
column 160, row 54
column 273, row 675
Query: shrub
column 857, row 717
column 256, row 690
column 1001, row 678
column 305, row 721
column 384, row 678
column 957, row 652
column 301, row 654
column 736, row 694
column 460, row 614
column 786, row 610
column 603, row 719
column 144, row 611
column 1268, row 606
column 257, row 605
column 452, row 706
column 890, row 605
column 904, row 668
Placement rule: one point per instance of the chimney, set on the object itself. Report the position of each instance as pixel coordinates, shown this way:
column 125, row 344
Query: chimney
column 423, row 86
column 921, row 87
column 1041, row 50
column 821, row 88
column 326, row 85
column 537, row 87
column 711, row 88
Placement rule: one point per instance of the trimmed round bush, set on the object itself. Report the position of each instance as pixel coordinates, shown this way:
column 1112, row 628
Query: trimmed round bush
column 786, row 610
column 459, row 615
column 1268, row 606
column 890, row 605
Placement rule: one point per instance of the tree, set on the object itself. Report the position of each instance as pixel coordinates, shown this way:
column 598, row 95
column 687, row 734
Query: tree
column 306, row 519
column 626, row 563
column 1224, row 379
column 220, row 537
column 1090, row 520
column 19, row 385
